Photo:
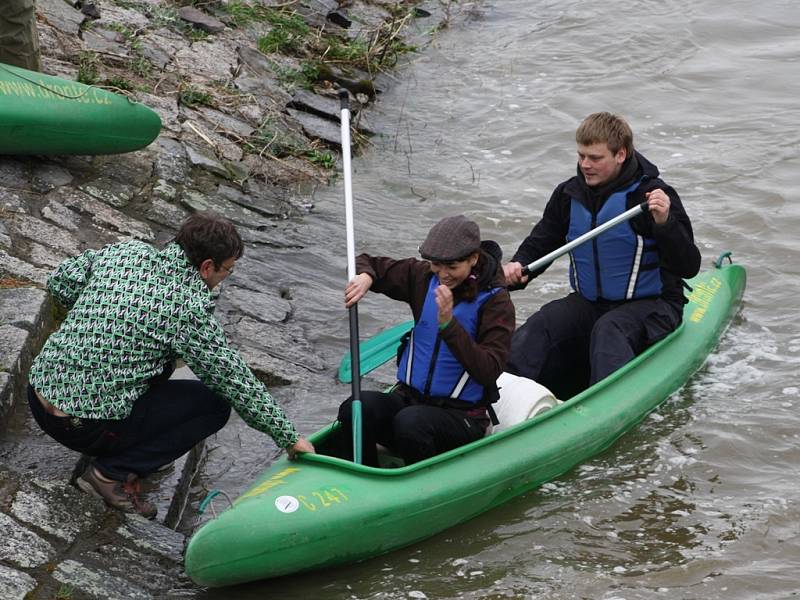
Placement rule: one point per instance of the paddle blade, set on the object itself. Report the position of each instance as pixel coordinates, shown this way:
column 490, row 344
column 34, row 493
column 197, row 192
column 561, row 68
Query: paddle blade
column 375, row 351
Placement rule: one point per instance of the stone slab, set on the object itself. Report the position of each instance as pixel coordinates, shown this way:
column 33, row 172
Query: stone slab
column 21, row 546
column 15, row 585
column 51, row 507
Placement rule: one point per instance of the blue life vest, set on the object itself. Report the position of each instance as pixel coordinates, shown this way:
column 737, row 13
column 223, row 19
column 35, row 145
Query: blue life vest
column 616, row 265
column 427, row 364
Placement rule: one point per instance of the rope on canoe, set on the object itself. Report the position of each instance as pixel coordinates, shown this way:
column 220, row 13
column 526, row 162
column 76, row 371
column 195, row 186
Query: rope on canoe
column 44, row 87
column 723, row 256
column 207, row 502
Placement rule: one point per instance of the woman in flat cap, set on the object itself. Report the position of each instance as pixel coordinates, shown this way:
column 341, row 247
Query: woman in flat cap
column 448, row 365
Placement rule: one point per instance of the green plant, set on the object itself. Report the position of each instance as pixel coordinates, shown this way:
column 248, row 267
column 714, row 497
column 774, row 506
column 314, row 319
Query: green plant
column 141, row 66
column 275, row 138
column 287, row 35
column 323, row 158
column 242, row 13
column 191, row 96
column 119, row 82
column 87, row 67
column 290, row 78
column 64, row 592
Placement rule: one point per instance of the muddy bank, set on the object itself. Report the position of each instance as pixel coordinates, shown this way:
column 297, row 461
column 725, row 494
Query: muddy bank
column 246, row 95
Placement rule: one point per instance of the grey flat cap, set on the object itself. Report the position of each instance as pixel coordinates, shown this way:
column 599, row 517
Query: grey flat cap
column 452, row 238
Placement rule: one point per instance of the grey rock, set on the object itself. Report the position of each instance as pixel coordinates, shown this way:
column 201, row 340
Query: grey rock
column 271, row 237
column 160, row 45
column 57, row 509
column 5, row 239
column 323, row 106
column 22, row 547
column 171, row 163
column 97, row 583
column 321, row 12
column 13, row 202
column 256, row 75
column 201, row 20
column 199, row 133
column 163, row 190
column 40, row 231
column 120, row 181
column 13, row 174
column 153, row 538
column 15, row 585
column 208, row 61
column 61, row 216
column 164, row 213
column 266, row 203
column 105, row 217
column 196, row 201
column 274, row 350
column 141, row 571
column 113, row 14
column 105, row 41
column 44, row 256
column 226, row 124
column 61, row 16
column 199, row 159
column 317, row 127
column 263, row 305
column 47, row 176
column 12, row 345
column 21, row 307
column 20, row 269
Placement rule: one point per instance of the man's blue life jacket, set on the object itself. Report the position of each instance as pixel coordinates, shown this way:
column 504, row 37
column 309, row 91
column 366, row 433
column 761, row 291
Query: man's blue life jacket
column 616, row 265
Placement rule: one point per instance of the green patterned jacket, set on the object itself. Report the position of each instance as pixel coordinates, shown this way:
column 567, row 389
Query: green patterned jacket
column 132, row 311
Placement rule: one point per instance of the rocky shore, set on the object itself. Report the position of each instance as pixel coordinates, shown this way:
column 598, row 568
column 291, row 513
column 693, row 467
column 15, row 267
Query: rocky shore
column 246, row 94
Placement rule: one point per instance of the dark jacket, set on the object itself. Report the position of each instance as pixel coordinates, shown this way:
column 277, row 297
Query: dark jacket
column 407, row 280
column 679, row 256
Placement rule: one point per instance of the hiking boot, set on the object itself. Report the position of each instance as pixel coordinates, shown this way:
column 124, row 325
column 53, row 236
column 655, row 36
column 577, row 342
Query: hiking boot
column 122, row 495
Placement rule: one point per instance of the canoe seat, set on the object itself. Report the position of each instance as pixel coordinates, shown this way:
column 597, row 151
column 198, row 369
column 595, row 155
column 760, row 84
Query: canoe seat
column 520, row 399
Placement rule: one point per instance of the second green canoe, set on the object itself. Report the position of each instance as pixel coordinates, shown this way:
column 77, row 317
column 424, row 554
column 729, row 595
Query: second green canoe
column 321, row 511
column 42, row 114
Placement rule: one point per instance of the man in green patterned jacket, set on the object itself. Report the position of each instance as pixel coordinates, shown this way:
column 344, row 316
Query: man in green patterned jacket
column 101, row 383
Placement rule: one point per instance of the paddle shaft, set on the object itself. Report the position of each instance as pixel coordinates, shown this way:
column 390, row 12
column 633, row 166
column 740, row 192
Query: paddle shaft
column 344, row 96
column 548, row 258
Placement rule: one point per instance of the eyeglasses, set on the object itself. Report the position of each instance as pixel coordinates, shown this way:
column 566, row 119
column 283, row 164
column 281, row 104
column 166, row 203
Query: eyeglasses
column 228, row 270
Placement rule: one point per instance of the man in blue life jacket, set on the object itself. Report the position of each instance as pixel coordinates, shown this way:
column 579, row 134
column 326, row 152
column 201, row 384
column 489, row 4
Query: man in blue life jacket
column 19, row 40
column 627, row 283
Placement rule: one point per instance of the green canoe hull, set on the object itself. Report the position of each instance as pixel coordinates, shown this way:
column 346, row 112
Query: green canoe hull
column 46, row 115
column 320, row 511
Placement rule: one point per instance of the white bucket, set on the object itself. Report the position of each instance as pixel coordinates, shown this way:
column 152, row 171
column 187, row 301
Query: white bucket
column 520, row 399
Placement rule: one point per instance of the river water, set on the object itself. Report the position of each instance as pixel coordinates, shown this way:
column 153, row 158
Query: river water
column 701, row 499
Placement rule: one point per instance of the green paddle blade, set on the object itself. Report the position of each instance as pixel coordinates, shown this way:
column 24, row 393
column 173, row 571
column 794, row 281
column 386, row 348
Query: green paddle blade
column 375, row 351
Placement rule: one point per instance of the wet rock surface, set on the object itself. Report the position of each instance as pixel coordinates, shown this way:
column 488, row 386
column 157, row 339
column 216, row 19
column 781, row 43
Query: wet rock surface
column 241, row 135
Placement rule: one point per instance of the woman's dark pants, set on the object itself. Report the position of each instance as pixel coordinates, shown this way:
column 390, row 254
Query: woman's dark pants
column 412, row 430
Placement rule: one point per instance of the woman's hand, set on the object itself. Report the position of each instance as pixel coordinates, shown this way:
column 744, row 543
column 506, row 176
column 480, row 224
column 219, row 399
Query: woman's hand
column 444, row 302
column 356, row 289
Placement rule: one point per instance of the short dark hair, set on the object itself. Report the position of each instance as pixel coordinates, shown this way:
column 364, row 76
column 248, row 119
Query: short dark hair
column 207, row 235
column 605, row 128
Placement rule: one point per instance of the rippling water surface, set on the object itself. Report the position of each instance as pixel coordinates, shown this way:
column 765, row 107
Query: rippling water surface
column 700, row 500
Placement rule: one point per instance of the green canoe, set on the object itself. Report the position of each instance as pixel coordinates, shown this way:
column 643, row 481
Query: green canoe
column 42, row 114
column 321, row 511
